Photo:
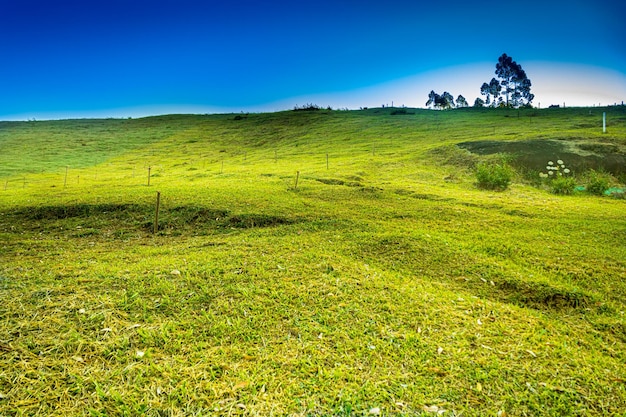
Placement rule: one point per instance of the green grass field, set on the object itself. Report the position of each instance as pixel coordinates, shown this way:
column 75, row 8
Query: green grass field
column 308, row 263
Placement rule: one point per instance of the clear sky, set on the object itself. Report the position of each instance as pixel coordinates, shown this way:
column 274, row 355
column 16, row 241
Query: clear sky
column 117, row 58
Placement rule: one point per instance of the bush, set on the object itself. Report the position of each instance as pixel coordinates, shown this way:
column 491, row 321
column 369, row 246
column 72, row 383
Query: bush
column 401, row 111
column 494, row 176
column 598, row 182
column 563, row 185
column 559, row 178
column 308, row 107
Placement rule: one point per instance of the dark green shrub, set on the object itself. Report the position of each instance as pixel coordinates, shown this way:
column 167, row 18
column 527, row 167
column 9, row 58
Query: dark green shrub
column 308, row 107
column 400, row 111
column 493, row 176
column 563, row 185
column 598, row 182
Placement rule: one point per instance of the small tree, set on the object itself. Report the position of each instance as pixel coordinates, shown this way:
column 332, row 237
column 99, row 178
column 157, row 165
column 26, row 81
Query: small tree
column 447, row 100
column 432, row 99
column 444, row 101
column 486, row 91
column 494, row 89
column 479, row 102
column 461, row 102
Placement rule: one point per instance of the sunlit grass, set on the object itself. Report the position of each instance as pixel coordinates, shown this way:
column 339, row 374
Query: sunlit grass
column 385, row 283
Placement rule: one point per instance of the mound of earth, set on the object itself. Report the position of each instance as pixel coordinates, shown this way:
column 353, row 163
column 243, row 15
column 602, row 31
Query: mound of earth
column 578, row 155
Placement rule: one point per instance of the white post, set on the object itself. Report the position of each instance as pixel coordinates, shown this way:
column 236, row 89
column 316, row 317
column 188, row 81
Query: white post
column 603, row 122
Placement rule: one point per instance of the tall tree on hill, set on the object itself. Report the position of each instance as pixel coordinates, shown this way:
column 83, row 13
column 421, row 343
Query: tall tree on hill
column 521, row 89
column 461, row 101
column 505, row 71
column 514, row 81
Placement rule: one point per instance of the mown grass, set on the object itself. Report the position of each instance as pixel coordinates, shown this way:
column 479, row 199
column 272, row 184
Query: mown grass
column 385, row 283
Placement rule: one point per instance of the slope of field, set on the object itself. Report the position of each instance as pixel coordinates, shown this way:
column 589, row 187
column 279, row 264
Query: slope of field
column 306, row 263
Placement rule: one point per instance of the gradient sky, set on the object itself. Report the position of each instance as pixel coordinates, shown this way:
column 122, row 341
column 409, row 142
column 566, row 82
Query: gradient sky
column 114, row 58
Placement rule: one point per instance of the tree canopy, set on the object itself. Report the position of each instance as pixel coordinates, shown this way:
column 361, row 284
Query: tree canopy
column 509, row 88
column 443, row 101
column 491, row 91
column 513, row 81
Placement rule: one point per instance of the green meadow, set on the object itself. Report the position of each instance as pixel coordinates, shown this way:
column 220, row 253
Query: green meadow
column 312, row 263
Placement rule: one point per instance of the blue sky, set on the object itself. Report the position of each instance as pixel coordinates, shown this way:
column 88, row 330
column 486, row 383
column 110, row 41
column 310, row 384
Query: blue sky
column 63, row 59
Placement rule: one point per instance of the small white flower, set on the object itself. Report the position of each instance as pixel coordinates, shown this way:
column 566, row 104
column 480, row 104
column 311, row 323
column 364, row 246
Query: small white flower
column 550, row 173
column 140, row 354
column 550, row 163
column 566, row 170
column 559, row 162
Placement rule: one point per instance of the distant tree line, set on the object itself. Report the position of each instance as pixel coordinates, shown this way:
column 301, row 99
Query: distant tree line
column 509, row 88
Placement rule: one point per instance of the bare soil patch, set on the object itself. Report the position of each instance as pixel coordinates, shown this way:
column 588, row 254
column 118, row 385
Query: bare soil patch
column 533, row 154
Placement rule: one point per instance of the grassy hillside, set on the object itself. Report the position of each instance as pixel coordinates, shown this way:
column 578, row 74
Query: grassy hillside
column 309, row 263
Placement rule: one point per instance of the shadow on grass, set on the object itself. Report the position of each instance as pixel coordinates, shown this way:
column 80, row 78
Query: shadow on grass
column 139, row 217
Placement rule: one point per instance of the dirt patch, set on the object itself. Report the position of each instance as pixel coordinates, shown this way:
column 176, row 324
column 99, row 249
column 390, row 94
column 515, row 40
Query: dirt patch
column 533, row 154
column 93, row 219
column 335, row 181
column 541, row 296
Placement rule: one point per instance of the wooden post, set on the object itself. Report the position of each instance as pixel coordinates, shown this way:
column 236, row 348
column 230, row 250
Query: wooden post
column 149, row 169
column 603, row 122
column 297, row 177
column 156, row 212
